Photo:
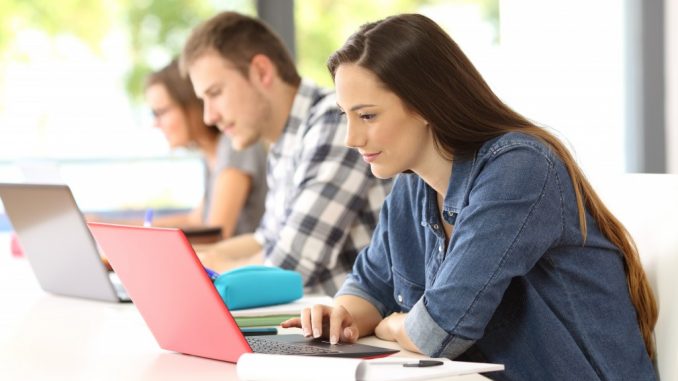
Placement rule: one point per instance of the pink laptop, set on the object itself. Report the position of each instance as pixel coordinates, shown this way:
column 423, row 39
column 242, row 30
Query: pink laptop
column 175, row 296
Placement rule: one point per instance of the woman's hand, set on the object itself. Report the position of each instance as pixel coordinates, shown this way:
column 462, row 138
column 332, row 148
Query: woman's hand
column 392, row 328
column 325, row 321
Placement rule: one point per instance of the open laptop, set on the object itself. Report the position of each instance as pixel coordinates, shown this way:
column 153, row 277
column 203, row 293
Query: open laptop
column 181, row 306
column 54, row 236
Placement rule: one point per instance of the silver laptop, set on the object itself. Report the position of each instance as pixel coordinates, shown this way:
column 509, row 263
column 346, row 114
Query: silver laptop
column 57, row 242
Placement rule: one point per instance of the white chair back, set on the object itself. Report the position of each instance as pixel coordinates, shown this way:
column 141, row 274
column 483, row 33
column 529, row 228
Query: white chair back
column 647, row 204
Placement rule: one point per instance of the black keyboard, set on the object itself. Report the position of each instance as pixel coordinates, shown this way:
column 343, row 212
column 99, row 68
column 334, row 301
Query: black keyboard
column 262, row 345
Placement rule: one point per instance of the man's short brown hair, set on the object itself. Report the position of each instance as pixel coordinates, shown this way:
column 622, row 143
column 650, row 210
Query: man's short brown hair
column 238, row 38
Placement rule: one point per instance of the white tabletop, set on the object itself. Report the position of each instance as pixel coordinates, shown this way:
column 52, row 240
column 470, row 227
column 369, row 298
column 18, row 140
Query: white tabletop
column 48, row 337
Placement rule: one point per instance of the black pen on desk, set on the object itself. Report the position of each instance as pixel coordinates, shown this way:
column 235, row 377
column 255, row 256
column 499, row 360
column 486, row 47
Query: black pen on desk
column 409, row 364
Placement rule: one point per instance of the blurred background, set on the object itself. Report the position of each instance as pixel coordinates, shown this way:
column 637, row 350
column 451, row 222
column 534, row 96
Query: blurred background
column 602, row 74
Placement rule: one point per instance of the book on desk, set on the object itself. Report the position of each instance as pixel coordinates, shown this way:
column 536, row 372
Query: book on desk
column 274, row 315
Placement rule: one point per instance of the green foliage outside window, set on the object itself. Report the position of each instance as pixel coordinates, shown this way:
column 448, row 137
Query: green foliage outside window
column 156, row 29
column 86, row 19
column 322, row 26
column 164, row 25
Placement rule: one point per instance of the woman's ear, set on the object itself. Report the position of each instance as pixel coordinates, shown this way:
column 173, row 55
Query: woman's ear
column 262, row 70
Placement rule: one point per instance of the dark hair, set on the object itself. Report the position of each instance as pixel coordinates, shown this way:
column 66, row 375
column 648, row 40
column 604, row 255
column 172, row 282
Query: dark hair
column 238, row 38
column 180, row 89
column 415, row 59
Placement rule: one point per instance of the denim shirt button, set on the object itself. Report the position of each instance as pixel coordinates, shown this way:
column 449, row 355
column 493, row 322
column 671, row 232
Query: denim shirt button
column 400, row 298
column 440, row 248
column 435, row 226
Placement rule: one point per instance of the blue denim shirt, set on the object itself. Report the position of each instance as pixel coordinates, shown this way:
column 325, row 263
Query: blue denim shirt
column 516, row 284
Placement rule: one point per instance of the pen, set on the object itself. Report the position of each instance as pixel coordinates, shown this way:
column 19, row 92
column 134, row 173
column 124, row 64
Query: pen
column 148, row 217
column 212, row 274
column 410, row 364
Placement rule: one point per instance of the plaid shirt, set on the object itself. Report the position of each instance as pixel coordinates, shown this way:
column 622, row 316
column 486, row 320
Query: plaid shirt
column 323, row 201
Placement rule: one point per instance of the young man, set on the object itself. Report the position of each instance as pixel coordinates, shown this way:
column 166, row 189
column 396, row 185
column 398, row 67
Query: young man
column 323, row 202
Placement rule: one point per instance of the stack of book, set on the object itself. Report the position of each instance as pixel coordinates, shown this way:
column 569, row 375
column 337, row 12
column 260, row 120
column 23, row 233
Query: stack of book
column 274, row 315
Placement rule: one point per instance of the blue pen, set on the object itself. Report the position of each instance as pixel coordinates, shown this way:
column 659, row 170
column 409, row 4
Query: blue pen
column 148, row 217
column 212, row 274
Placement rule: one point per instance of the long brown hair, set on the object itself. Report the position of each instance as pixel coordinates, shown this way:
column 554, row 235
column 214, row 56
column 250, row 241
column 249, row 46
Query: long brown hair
column 415, row 59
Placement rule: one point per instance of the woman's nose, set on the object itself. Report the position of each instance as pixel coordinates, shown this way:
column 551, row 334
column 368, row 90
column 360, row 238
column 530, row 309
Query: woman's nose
column 354, row 137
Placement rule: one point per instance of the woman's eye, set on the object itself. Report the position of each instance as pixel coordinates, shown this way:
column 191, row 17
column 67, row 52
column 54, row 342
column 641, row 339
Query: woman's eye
column 213, row 93
column 367, row 116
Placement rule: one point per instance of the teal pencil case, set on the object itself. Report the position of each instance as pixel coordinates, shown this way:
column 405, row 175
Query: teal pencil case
column 258, row 286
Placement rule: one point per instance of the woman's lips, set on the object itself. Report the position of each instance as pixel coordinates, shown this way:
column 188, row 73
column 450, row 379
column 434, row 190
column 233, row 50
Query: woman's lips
column 228, row 128
column 370, row 157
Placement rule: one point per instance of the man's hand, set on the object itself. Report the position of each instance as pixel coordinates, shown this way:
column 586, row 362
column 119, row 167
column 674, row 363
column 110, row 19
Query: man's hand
column 209, row 256
column 230, row 253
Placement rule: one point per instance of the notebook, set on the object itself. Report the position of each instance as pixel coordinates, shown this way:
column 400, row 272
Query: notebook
column 261, row 367
column 54, row 236
column 181, row 306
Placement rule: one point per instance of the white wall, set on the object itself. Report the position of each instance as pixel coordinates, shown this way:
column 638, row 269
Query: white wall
column 671, row 43
column 563, row 66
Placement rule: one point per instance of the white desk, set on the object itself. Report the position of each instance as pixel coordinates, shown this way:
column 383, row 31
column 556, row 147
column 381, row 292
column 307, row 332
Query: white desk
column 47, row 337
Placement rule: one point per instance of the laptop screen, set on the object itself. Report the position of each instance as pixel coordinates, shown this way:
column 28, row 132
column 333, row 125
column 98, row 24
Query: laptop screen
column 55, row 239
column 167, row 283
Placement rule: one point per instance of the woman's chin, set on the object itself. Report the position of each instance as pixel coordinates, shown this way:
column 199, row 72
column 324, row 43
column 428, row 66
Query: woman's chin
column 381, row 173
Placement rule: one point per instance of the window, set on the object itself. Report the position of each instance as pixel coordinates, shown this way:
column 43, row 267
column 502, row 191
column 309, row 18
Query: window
column 70, row 79
column 70, row 84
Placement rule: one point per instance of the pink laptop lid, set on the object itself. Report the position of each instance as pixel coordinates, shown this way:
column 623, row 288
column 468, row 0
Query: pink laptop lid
column 179, row 303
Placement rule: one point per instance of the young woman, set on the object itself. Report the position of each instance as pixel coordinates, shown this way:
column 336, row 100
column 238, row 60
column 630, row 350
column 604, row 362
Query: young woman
column 492, row 246
column 235, row 181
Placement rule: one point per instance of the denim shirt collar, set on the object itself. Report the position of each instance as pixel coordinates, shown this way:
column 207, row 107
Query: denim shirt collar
column 454, row 198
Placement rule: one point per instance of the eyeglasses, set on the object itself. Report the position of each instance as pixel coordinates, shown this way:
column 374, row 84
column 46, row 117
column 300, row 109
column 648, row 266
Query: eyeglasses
column 159, row 112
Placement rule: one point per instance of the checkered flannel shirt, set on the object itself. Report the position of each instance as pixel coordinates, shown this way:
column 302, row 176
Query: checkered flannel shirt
column 323, row 201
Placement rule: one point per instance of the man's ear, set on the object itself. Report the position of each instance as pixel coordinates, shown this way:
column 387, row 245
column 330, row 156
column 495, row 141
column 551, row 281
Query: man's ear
column 262, row 70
